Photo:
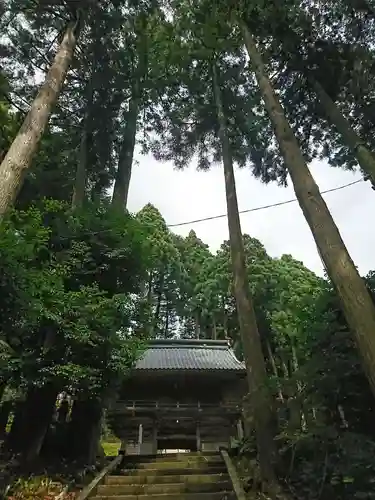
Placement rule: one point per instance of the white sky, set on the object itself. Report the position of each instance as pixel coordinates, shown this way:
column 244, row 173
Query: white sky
column 188, row 195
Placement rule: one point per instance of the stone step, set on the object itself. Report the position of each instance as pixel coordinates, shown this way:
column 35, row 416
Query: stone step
column 166, row 479
column 160, row 489
column 163, row 464
column 174, row 456
column 219, row 495
column 172, row 471
column 178, row 459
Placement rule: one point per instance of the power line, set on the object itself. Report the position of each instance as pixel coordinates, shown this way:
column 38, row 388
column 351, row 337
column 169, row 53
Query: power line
column 255, row 209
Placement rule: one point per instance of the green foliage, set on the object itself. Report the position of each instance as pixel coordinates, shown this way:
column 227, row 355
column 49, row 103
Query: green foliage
column 71, row 278
column 39, row 488
column 8, row 120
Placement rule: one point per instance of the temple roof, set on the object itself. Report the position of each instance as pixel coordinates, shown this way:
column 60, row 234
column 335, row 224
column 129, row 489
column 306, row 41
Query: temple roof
column 190, row 355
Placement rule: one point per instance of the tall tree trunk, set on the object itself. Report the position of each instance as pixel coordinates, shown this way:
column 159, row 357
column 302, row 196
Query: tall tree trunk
column 14, row 437
column 20, row 154
column 84, row 430
column 31, row 421
column 356, row 302
column 42, row 406
column 274, row 370
column 260, row 399
column 149, row 303
column 159, row 297
column 3, row 385
column 214, row 327
column 225, row 320
column 197, row 326
column 295, row 364
column 365, row 157
column 124, row 169
column 166, row 325
column 149, row 288
column 79, row 191
column 5, row 409
column 285, row 368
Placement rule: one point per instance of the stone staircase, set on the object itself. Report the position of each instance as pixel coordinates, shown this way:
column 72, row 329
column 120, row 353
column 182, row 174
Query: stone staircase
column 185, row 476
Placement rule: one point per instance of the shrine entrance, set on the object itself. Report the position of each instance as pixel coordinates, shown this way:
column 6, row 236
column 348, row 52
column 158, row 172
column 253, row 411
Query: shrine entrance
column 191, row 393
column 178, row 432
column 173, row 445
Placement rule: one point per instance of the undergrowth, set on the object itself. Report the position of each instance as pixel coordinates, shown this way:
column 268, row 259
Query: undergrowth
column 320, row 465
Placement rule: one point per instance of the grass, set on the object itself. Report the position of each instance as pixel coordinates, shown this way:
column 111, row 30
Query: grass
column 111, row 448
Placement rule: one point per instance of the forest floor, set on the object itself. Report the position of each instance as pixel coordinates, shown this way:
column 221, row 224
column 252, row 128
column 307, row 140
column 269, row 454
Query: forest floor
column 41, row 481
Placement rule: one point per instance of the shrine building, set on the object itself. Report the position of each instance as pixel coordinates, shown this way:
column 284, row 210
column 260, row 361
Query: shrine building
column 182, row 394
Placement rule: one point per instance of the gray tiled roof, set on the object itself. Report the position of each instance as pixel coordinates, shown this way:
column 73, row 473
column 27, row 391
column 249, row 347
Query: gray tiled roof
column 189, row 355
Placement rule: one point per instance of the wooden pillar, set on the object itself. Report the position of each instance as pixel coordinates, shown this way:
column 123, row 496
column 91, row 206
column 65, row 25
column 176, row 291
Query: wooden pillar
column 140, row 434
column 155, row 437
column 198, row 435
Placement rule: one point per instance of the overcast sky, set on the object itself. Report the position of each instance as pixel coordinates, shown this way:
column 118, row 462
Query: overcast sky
column 189, row 195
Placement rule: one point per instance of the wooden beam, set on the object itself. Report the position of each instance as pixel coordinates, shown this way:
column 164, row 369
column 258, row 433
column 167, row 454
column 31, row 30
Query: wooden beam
column 138, row 404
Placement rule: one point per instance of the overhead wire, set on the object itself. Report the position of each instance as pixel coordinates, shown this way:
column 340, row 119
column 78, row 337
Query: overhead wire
column 214, row 217
column 263, row 207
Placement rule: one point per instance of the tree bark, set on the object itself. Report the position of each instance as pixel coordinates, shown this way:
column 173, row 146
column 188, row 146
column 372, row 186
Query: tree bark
column 149, row 288
column 225, row 320
column 84, row 430
column 20, row 154
column 5, row 409
column 365, row 157
column 214, row 327
column 356, row 302
column 274, row 369
column 125, row 163
column 303, row 418
column 159, row 298
column 166, row 324
column 31, row 421
column 41, row 403
column 13, row 440
column 260, row 399
column 197, row 326
column 3, row 385
column 124, row 169
column 79, row 191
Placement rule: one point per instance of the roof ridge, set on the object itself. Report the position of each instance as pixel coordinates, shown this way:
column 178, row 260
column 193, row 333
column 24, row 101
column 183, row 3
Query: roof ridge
column 188, row 342
column 181, row 354
column 192, row 347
